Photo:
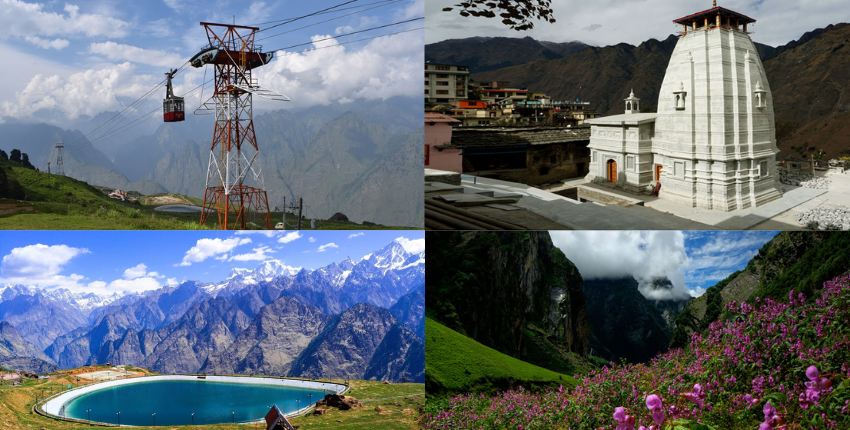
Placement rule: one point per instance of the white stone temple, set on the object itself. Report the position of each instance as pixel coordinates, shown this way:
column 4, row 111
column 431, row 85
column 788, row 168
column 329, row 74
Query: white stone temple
column 712, row 143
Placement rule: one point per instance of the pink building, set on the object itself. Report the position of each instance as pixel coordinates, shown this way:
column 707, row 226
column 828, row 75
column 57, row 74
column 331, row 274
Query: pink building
column 438, row 132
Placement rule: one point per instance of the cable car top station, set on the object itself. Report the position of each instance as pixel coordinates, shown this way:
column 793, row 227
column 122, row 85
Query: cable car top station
column 232, row 46
column 234, row 151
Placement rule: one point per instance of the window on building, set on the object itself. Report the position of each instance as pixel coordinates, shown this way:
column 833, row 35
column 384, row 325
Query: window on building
column 763, row 171
column 443, row 83
column 427, row 91
column 553, row 158
column 442, row 68
column 427, row 83
column 442, row 76
column 442, row 91
column 630, row 163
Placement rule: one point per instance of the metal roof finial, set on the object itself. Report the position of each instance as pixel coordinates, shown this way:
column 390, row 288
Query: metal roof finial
column 715, row 3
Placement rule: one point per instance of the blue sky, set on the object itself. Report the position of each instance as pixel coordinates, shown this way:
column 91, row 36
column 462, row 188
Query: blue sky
column 692, row 260
column 65, row 60
column 109, row 261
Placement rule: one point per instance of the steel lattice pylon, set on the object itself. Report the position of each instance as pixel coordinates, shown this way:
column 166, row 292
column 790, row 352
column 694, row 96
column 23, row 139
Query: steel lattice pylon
column 234, row 151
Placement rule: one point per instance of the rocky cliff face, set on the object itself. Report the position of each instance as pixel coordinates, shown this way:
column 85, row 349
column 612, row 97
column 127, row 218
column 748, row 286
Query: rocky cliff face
column 410, row 311
column 39, row 319
column 793, row 260
column 625, row 324
column 276, row 336
column 346, row 345
column 399, row 357
column 19, row 354
column 493, row 287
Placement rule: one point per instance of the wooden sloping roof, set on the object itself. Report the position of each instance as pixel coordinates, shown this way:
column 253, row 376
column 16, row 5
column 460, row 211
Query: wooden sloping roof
column 489, row 137
column 710, row 13
column 275, row 417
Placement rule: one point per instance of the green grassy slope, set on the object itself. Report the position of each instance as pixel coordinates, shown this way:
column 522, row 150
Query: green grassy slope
column 455, row 364
column 61, row 203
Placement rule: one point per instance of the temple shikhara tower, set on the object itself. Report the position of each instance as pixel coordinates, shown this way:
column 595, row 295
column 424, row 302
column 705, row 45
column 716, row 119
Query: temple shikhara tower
column 712, row 143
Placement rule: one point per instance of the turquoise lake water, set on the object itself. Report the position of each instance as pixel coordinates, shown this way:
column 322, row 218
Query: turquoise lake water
column 174, row 401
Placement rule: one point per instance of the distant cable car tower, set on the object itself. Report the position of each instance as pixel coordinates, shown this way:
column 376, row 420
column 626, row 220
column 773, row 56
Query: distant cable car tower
column 60, row 164
column 172, row 106
column 233, row 153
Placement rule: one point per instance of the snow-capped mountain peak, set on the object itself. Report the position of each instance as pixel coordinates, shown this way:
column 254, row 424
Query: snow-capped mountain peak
column 391, row 257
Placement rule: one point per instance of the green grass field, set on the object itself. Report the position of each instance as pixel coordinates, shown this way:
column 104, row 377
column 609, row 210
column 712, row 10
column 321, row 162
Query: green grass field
column 399, row 408
column 456, row 364
column 61, row 203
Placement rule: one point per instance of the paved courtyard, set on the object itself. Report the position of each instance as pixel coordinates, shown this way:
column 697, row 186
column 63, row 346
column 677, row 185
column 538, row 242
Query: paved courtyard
column 105, row 375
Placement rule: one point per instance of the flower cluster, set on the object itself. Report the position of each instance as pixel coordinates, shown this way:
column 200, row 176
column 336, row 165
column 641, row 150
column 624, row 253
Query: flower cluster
column 789, row 361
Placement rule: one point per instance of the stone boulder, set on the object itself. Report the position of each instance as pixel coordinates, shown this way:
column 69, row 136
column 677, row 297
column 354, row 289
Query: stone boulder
column 338, row 217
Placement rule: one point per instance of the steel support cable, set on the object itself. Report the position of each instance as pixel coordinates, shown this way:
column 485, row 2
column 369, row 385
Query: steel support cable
column 350, row 41
column 353, row 32
column 134, row 122
column 322, row 13
column 307, row 16
column 147, row 96
column 328, row 20
column 138, row 101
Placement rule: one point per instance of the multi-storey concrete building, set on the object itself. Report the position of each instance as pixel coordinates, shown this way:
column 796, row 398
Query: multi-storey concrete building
column 445, row 83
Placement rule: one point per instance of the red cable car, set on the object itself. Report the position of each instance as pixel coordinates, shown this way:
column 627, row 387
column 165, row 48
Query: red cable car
column 172, row 106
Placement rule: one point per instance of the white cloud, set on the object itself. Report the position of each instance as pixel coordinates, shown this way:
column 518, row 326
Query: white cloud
column 206, row 248
column 38, row 261
column 266, row 233
column 385, row 67
column 326, row 246
column 256, row 13
column 644, row 255
column 343, row 29
column 414, row 246
column 132, row 285
column 289, row 237
column 136, row 271
column 172, row 282
column 312, row 239
column 140, row 270
column 696, row 292
column 353, row 235
column 134, row 54
column 84, row 93
column 18, row 18
column 259, row 254
column 57, row 44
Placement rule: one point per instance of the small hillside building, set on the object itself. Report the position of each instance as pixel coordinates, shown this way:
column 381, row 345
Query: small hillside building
column 276, row 420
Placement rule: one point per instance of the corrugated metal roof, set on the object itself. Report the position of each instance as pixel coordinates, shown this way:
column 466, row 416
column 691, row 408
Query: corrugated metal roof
column 484, row 137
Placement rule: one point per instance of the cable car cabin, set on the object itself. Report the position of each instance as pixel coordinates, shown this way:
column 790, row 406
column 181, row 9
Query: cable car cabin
column 172, row 106
column 172, row 109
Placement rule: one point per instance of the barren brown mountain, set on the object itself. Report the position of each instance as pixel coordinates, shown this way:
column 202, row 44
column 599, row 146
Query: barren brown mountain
column 809, row 78
column 481, row 54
